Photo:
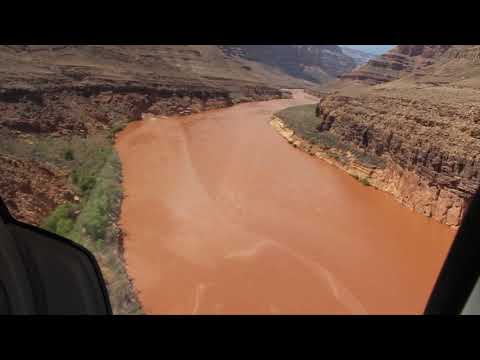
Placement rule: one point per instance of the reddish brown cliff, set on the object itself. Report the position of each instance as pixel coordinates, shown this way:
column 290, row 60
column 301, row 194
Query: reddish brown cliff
column 418, row 108
column 78, row 90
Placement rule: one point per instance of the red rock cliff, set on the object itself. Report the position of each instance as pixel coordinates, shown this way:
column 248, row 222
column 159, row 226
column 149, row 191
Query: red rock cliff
column 417, row 107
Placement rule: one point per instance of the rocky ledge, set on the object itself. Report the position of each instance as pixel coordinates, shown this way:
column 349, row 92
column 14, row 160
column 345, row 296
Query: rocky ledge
column 418, row 109
column 406, row 186
column 83, row 110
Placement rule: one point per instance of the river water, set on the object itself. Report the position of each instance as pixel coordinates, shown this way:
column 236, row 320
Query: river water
column 222, row 216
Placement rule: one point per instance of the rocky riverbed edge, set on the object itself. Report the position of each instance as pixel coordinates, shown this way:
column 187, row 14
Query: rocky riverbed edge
column 407, row 187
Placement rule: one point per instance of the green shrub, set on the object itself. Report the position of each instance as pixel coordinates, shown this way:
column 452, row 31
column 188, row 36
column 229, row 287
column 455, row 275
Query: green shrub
column 86, row 183
column 116, row 129
column 60, row 220
column 102, row 202
column 69, row 155
column 365, row 182
column 96, row 216
column 64, row 226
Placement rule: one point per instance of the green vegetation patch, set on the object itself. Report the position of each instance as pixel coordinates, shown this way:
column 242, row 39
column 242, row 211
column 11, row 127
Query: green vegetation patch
column 363, row 181
column 90, row 220
column 61, row 220
column 303, row 121
column 99, row 182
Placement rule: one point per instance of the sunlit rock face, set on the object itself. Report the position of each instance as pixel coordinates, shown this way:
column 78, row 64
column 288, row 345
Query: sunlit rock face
column 418, row 106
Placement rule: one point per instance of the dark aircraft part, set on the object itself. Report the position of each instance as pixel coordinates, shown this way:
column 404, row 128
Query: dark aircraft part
column 461, row 269
column 43, row 273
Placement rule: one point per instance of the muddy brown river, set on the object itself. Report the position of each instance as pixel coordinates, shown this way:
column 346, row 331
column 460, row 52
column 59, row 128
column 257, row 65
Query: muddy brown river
column 223, row 216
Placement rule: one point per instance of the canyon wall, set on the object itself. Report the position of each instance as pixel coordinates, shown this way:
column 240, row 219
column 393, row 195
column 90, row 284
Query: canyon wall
column 408, row 187
column 417, row 108
column 60, row 91
column 317, row 63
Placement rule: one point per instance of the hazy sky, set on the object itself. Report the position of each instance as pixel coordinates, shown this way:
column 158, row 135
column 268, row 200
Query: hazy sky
column 373, row 49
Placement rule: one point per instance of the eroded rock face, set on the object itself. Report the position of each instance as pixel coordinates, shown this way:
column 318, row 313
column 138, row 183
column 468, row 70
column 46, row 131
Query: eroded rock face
column 396, row 63
column 66, row 90
column 358, row 56
column 312, row 62
column 70, row 88
column 419, row 108
column 31, row 190
column 82, row 111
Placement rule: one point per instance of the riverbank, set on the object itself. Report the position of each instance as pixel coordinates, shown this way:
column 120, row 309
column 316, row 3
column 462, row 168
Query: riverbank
column 378, row 172
column 79, row 179
column 67, row 178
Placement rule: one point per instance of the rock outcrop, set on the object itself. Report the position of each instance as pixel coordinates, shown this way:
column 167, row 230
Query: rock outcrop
column 31, row 189
column 417, row 107
column 358, row 56
column 317, row 63
column 75, row 89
